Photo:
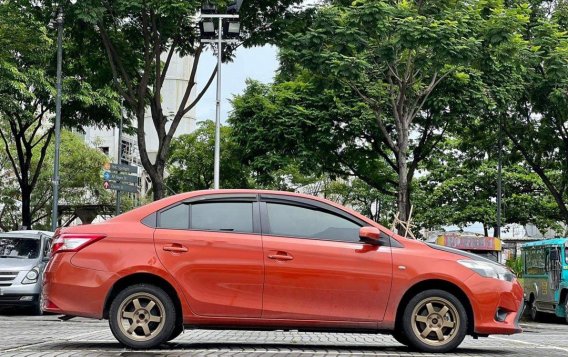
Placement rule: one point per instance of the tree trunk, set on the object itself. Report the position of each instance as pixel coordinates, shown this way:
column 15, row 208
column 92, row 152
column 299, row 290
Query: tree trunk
column 26, row 207
column 158, row 186
column 403, row 196
column 496, row 232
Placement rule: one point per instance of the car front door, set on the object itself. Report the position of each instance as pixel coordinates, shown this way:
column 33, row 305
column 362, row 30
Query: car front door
column 316, row 268
column 213, row 249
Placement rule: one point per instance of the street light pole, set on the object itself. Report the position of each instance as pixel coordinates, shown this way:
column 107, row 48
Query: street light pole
column 55, row 209
column 219, row 40
column 217, row 159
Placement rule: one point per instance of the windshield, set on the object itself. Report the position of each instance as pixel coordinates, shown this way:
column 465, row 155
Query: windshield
column 19, row 248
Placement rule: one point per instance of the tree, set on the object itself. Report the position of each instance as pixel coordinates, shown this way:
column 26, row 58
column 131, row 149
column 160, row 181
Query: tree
column 369, row 88
column 136, row 33
column 27, row 90
column 77, row 187
column 190, row 165
column 459, row 186
column 537, row 123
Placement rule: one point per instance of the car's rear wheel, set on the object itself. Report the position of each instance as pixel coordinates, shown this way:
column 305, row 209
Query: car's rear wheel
column 434, row 321
column 142, row 316
column 176, row 332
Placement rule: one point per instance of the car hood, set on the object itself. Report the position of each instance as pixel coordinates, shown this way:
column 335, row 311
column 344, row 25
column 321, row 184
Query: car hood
column 16, row 264
column 461, row 252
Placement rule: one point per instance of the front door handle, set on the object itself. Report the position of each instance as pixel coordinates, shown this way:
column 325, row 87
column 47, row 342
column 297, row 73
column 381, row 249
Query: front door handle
column 177, row 248
column 280, row 256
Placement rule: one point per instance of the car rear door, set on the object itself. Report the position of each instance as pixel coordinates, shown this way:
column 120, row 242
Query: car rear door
column 315, row 266
column 213, row 248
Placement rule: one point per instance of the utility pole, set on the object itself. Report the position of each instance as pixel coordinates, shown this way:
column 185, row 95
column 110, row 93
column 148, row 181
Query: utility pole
column 55, row 182
column 119, row 161
column 499, row 181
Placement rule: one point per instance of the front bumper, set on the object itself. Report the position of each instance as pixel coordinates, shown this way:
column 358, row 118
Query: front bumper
column 18, row 294
column 497, row 305
column 19, row 300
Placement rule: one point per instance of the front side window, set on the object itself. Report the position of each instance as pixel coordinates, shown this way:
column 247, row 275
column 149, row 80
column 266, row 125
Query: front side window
column 294, row 221
column 222, row 216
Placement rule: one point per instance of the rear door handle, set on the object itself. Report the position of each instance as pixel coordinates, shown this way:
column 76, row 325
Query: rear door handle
column 177, row 248
column 280, row 257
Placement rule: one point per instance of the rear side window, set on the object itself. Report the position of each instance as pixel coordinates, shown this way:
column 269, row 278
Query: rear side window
column 294, row 221
column 222, row 216
column 176, row 217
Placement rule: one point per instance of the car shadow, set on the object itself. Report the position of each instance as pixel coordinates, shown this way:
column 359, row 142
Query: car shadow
column 188, row 347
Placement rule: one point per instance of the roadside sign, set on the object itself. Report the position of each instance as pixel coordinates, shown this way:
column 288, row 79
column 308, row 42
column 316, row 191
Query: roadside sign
column 116, row 177
column 123, row 168
column 120, row 177
column 120, row 187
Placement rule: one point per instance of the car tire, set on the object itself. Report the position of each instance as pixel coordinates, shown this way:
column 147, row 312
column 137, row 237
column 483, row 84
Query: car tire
column 400, row 337
column 142, row 316
column 434, row 321
column 176, row 332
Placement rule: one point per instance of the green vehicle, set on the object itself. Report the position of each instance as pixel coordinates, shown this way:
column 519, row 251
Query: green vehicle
column 545, row 273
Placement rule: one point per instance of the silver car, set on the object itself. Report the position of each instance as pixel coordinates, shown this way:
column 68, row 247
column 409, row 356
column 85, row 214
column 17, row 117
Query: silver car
column 23, row 256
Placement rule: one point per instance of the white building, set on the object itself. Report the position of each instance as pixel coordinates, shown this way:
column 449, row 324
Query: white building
column 173, row 89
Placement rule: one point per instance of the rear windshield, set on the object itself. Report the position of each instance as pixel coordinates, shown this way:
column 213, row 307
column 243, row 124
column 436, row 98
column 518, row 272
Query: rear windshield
column 19, row 248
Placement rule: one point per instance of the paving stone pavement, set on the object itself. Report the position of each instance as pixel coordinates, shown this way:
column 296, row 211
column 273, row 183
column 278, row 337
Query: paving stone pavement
column 47, row 336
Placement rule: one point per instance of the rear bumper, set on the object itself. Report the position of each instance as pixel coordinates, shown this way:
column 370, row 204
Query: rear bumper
column 71, row 290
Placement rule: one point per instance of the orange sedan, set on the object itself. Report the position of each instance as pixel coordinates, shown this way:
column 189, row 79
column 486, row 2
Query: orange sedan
column 272, row 260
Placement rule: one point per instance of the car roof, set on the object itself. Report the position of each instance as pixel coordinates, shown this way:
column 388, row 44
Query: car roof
column 553, row 241
column 26, row 234
column 143, row 211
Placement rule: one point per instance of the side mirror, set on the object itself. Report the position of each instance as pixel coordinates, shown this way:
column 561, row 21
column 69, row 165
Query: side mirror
column 371, row 235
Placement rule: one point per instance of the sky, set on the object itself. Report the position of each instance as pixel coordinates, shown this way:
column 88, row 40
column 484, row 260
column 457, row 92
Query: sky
column 258, row 63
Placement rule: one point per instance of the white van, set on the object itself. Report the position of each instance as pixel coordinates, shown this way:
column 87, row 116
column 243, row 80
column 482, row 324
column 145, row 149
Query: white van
column 23, row 257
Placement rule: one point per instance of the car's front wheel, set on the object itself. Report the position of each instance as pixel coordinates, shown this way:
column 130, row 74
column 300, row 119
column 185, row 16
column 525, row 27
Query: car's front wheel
column 142, row 316
column 434, row 321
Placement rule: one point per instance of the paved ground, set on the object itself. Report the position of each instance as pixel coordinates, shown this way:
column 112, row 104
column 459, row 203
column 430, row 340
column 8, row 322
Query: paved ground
column 47, row 336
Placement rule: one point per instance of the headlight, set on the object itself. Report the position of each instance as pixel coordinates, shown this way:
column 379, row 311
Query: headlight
column 488, row 270
column 31, row 276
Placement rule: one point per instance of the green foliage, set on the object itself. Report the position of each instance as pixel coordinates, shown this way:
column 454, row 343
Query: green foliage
column 369, row 88
column 27, row 93
column 140, row 37
column 190, row 165
column 516, row 265
column 77, row 186
column 459, row 188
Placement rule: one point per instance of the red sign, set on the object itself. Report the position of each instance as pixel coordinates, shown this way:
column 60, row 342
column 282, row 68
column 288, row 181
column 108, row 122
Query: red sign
column 106, row 185
column 469, row 242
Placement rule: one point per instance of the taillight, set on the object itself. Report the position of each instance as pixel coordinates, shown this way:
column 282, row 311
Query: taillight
column 73, row 242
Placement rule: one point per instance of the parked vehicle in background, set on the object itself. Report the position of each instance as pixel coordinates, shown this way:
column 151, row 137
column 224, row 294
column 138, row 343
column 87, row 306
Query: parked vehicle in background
column 545, row 277
column 23, row 257
column 276, row 261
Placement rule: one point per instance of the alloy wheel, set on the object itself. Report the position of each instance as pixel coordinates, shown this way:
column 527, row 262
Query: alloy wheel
column 435, row 321
column 141, row 316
